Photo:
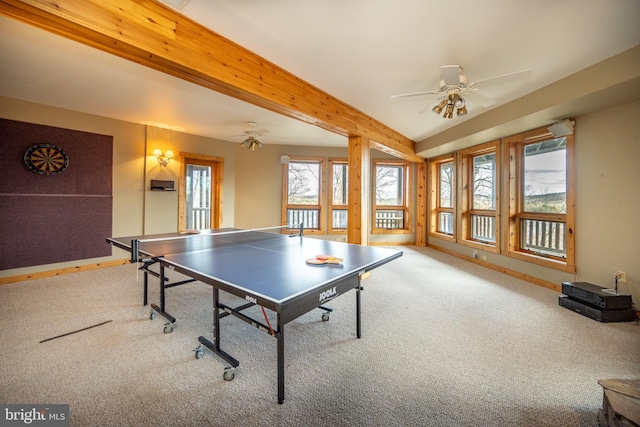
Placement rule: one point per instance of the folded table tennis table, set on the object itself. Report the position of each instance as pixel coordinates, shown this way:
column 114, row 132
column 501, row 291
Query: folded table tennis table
column 263, row 268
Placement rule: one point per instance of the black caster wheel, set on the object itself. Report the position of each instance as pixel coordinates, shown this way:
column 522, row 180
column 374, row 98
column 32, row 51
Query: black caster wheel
column 229, row 374
column 199, row 352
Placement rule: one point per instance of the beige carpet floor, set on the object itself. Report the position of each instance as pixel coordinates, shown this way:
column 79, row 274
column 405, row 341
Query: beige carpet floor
column 445, row 343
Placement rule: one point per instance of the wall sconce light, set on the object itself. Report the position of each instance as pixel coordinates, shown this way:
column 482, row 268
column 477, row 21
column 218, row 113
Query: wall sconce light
column 163, row 158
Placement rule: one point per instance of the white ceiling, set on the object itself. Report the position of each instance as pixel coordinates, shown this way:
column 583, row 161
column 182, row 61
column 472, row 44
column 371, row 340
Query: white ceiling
column 359, row 51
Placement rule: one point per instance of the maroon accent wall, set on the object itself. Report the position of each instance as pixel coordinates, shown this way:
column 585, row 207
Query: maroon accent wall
column 46, row 219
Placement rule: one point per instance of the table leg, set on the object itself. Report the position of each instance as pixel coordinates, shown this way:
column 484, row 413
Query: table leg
column 216, row 318
column 146, row 288
column 280, row 335
column 162, row 288
column 168, row 327
column 358, row 323
column 215, row 345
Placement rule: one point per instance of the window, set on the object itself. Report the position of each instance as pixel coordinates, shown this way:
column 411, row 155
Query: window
column 200, row 192
column 442, row 201
column 198, row 197
column 541, row 191
column 302, row 193
column 479, row 214
column 338, row 192
column 391, row 196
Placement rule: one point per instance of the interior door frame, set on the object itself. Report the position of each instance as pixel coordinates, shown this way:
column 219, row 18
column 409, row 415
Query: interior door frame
column 217, row 176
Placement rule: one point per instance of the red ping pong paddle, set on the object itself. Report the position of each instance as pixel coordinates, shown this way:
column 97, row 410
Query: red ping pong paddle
column 324, row 259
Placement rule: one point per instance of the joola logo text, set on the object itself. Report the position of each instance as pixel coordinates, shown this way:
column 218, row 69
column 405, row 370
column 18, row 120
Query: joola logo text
column 328, row 294
column 251, row 299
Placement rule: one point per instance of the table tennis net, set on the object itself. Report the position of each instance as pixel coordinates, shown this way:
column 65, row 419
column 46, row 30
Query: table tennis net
column 205, row 239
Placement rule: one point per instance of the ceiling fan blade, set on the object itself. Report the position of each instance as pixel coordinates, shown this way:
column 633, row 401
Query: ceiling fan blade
column 503, row 79
column 478, row 99
column 414, row 95
column 451, row 74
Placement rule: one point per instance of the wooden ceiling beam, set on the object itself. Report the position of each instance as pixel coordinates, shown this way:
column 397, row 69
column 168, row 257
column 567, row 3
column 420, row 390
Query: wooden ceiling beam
column 152, row 34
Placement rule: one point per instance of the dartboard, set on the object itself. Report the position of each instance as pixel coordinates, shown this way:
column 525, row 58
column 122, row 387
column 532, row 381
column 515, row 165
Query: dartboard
column 46, row 159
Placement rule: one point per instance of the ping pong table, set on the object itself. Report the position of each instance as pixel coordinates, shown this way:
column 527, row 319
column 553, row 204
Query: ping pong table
column 262, row 267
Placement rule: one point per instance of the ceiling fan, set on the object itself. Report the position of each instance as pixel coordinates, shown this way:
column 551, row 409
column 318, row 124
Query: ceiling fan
column 252, row 134
column 455, row 89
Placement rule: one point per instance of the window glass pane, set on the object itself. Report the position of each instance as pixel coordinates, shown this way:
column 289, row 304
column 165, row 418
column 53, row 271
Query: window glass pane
column 389, row 218
column 339, row 219
column 308, row 217
column 198, row 197
column 339, row 181
column 484, row 182
column 389, row 185
column 446, row 185
column 545, row 176
column 543, row 237
column 445, row 222
column 483, row 228
column 304, row 183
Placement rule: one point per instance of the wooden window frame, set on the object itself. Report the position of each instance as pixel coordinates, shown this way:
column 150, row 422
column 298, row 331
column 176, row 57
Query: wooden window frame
column 434, row 197
column 466, row 191
column 513, row 159
column 217, row 177
column 332, row 206
column 405, row 207
column 321, row 161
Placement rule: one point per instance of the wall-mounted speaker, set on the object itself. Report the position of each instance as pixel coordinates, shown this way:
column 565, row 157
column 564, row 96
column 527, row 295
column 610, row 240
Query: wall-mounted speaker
column 561, row 128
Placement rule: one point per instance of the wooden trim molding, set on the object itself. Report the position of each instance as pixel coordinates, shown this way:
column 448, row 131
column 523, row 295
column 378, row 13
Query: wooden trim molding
column 507, row 271
column 61, row 271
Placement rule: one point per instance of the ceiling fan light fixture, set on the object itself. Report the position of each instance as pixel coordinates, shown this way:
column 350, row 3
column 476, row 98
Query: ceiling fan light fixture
column 453, row 83
column 251, row 143
column 438, row 108
column 448, row 114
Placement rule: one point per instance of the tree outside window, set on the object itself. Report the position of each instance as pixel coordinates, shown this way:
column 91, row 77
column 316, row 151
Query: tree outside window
column 480, row 191
column 339, row 195
column 303, row 182
column 391, row 196
column 442, row 202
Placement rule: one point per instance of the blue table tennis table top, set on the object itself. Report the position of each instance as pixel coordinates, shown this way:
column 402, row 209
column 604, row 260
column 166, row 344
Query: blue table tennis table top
column 270, row 266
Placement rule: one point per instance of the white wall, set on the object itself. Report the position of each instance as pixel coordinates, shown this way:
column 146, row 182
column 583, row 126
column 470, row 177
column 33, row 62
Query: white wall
column 608, row 197
column 161, row 207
